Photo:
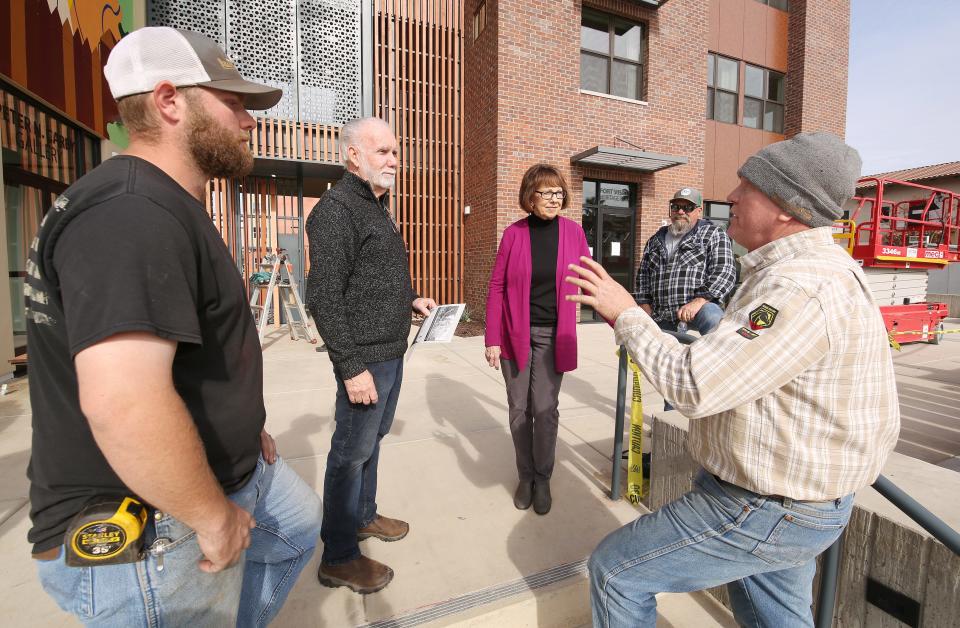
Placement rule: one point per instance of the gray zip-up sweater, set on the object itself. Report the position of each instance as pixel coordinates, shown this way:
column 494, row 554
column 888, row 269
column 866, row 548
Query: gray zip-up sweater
column 358, row 290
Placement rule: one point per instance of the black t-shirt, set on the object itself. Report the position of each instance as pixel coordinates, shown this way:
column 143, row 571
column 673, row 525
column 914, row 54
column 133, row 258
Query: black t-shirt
column 544, row 241
column 127, row 249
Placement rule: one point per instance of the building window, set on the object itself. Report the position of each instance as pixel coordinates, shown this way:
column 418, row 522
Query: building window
column 723, row 81
column 611, row 55
column 783, row 5
column 479, row 20
column 763, row 96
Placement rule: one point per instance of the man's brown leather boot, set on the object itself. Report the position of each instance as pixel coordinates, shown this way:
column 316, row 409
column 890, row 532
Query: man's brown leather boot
column 363, row 575
column 385, row 529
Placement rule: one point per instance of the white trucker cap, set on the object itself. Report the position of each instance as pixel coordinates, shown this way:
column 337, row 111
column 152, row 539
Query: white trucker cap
column 159, row 53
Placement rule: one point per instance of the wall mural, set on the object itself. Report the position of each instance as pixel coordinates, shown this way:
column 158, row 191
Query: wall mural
column 93, row 19
column 57, row 51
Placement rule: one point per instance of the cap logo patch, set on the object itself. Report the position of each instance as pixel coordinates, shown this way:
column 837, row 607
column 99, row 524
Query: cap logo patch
column 746, row 333
column 685, row 192
column 226, row 64
column 763, row 316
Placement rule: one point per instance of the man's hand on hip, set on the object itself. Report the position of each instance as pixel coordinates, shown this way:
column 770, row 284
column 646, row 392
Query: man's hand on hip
column 423, row 305
column 646, row 308
column 361, row 389
column 688, row 312
column 223, row 542
column 268, row 447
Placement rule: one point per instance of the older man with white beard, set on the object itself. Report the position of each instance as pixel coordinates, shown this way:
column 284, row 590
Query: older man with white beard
column 360, row 294
column 687, row 268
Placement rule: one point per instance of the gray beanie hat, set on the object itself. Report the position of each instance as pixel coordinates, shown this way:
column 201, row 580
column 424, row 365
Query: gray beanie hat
column 810, row 176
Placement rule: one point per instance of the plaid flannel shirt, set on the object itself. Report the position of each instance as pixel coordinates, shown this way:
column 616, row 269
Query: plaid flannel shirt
column 794, row 393
column 702, row 266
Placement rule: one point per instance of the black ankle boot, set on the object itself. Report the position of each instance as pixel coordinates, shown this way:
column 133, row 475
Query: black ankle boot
column 523, row 497
column 541, row 497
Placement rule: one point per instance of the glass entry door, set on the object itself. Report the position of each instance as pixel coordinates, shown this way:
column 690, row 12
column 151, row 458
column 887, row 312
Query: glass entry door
column 27, row 199
column 609, row 221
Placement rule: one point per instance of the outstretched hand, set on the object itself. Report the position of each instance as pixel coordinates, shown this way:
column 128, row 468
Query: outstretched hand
column 599, row 290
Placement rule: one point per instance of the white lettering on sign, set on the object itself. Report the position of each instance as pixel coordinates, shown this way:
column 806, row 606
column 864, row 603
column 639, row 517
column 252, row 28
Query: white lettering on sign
column 887, row 250
column 933, row 254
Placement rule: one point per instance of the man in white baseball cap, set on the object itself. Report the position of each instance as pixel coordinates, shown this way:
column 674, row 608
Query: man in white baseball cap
column 146, row 370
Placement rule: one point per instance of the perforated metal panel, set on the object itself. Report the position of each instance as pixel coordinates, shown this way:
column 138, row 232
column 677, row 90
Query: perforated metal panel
column 202, row 16
column 260, row 40
column 320, row 84
column 329, row 60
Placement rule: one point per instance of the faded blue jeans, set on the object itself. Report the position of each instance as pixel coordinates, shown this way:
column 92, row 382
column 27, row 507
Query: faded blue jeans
column 250, row 593
column 350, row 482
column 706, row 320
column 763, row 548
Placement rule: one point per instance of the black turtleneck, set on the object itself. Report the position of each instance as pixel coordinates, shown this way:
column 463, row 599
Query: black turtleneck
column 544, row 240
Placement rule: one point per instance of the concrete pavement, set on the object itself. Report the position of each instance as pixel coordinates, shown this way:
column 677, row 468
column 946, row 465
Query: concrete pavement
column 447, row 467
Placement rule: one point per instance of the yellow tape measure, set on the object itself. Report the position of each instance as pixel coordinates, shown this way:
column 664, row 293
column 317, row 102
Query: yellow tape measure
column 106, row 533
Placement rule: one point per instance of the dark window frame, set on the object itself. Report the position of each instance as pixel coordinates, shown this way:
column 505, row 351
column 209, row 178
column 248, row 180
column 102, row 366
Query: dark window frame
column 611, row 56
column 766, row 103
column 712, row 89
column 780, row 5
column 479, row 19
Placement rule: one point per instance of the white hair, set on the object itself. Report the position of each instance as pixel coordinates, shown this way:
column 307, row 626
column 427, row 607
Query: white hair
column 350, row 134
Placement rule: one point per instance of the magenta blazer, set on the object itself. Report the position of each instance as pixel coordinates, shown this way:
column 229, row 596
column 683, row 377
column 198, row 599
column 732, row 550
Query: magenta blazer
column 508, row 295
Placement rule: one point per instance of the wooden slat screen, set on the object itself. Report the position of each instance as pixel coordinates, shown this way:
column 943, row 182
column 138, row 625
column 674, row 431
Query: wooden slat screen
column 291, row 139
column 418, row 51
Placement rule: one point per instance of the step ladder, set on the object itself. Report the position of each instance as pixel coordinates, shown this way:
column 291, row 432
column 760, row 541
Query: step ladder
column 281, row 282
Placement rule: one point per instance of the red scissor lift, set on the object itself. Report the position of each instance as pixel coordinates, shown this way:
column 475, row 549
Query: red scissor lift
column 918, row 234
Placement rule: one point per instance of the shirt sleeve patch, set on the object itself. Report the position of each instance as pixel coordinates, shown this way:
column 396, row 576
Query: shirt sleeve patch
column 746, row 333
column 763, row 316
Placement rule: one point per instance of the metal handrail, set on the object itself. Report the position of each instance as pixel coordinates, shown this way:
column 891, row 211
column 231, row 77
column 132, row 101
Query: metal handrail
column 907, row 505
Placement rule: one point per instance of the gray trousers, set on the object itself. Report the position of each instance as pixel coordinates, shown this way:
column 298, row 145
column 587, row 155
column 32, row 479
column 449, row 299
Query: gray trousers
column 533, row 397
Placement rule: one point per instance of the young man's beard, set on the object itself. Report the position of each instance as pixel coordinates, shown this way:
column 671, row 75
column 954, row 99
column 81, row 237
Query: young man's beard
column 216, row 151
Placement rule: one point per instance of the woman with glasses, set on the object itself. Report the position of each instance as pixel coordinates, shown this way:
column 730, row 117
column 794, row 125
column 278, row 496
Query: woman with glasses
column 531, row 327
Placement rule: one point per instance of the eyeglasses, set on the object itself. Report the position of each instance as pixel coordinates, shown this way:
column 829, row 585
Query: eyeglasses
column 687, row 208
column 549, row 194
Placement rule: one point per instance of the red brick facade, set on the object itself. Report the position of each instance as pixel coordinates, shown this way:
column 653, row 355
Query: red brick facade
column 818, row 57
column 523, row 104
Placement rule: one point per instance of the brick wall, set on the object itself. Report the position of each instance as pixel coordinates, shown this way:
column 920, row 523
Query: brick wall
column 818, row 56
column 522, row 105
column 529, row 55
column 480, row 172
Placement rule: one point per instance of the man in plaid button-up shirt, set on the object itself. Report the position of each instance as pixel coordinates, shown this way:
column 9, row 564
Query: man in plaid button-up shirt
column 792, row 403
column 687, row 268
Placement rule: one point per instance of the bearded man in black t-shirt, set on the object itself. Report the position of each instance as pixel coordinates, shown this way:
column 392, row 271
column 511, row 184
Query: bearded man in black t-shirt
column 146, row 368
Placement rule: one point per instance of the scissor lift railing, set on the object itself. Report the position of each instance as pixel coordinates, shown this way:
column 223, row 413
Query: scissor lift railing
column 922, row 232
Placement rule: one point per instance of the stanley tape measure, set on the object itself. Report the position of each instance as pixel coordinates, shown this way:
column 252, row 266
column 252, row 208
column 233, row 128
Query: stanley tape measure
column 106, row 533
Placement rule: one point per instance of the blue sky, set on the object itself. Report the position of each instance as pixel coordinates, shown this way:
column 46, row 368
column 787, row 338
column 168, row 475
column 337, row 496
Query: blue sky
column 903, row 99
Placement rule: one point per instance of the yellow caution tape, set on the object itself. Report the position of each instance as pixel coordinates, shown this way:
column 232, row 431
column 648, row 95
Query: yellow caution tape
column 635, row 456
column 920, row 332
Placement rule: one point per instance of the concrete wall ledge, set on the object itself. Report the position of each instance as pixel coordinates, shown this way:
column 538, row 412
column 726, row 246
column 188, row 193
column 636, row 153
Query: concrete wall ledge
column 881, row 543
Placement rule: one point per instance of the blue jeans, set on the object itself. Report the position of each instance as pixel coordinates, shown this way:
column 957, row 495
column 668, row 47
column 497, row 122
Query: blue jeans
column 706, row 320
column 250, row 593
column 350, row 483
column 763, row 548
